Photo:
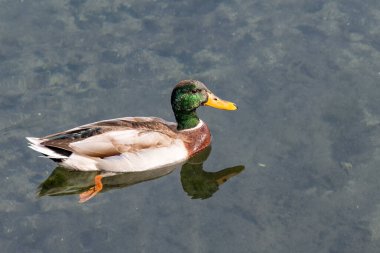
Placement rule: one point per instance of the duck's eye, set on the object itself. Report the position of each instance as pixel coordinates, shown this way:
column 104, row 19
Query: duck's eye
column 194, row 91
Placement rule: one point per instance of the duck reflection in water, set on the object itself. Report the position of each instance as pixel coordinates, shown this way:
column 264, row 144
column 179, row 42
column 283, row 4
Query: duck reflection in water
column 196, row 182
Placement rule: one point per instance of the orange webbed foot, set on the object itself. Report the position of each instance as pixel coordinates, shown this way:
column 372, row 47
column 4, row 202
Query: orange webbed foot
column 90, row 193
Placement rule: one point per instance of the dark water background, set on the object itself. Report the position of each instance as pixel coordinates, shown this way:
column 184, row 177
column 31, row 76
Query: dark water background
column 306, row 77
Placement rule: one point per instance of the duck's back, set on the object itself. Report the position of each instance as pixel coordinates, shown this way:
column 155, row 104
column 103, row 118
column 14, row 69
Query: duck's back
column 120, row 145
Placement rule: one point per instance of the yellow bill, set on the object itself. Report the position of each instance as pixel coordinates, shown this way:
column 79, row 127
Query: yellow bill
column 218, row 103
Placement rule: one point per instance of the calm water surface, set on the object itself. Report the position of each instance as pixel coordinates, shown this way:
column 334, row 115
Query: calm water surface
column 306, row 77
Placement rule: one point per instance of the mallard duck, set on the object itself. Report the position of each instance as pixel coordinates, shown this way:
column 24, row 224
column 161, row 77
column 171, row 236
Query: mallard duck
column 136, row 143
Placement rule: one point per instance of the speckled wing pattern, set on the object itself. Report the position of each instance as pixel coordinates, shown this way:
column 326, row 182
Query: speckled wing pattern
column 123, row 144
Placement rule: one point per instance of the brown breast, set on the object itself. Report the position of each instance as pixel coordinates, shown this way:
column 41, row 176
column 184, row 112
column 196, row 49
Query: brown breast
column 197, row 139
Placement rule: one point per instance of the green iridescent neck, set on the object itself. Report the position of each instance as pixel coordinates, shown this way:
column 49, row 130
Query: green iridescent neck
column 186, row 120
column 186, row 97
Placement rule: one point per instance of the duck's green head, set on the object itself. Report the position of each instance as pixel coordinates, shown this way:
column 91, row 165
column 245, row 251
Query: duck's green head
column 187, row 96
